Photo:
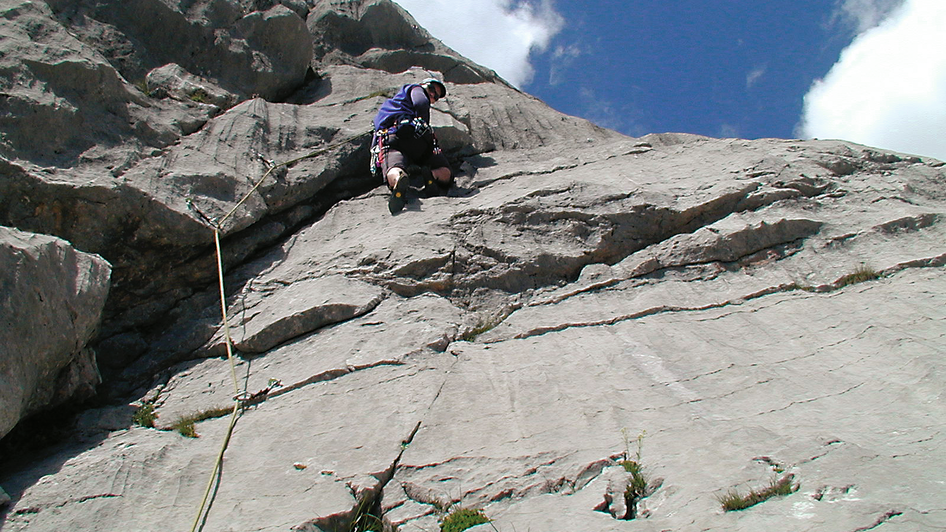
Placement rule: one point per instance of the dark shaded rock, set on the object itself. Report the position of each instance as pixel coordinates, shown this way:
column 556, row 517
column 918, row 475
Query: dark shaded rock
column 247, row 51
column 51, row 298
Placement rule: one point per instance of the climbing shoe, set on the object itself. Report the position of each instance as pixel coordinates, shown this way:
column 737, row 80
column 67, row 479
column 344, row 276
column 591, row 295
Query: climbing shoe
column 398, row 198
column 432, row 187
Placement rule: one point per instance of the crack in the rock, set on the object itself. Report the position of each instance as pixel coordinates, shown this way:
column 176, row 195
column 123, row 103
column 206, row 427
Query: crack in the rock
column 828, row 448
column 507, row 486
column 366, row 511
column 809, row 400
column 731, row 392
column 644, row 269
column 329, row 375
column 932, row 262
column 521, row 173
column 775, row 250
column 389, row 474
column 652, row 311
column 880, row 520
column 77, row 500
column 691, row 402
column 702, row 375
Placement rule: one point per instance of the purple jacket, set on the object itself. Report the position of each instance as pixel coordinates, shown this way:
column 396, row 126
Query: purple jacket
column 410, row 102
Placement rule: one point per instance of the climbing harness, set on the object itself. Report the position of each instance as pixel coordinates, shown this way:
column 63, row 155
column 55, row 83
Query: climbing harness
column 240, row 399
column 381, row 140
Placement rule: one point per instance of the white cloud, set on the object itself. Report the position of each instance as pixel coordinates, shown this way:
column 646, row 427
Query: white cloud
column 619, row 115
column 498, row 34
column 863, row 15
column 889, row 87
column 755, row 75
column 562, row 58
column 728, row 131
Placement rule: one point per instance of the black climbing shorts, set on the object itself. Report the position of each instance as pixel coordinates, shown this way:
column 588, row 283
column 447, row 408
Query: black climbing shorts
column 402, row 151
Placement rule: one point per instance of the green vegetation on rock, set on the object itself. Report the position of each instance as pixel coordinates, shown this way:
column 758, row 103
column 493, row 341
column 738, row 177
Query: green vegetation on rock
column 462, row 519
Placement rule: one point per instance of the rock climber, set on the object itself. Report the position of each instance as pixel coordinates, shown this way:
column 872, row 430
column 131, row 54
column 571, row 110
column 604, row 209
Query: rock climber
column 403, row 137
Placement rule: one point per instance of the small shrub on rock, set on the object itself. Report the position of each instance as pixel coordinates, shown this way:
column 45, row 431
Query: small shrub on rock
column 733, row 500
column 462, row 519
column 144, row 416
column 861, row 274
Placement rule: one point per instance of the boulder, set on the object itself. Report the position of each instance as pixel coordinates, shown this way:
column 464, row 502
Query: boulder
column 52, row 298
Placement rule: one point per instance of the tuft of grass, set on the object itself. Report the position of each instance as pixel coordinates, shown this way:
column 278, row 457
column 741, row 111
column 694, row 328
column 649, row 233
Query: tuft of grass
column 637, row 487
column 862, row 273
column 142, row 85
column 144, row 416
column 200, row 96
column 803, row 287
column 212, row 413
column 384, row 93
column 185, row 425
column 778, row 487
column 462, row 519
column 470, row 335
column 365, row 520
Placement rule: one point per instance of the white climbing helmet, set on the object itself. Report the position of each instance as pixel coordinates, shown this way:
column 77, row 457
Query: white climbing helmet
column 435, row 81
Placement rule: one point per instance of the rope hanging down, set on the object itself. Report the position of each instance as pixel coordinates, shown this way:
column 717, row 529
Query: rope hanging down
column 239, row 397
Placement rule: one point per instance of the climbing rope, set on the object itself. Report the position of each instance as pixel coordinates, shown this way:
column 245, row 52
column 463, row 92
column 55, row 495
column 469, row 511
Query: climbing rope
column 238, row 397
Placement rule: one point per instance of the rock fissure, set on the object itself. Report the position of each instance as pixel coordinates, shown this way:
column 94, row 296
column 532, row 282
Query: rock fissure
column 330, row 375
column 367, row 511
column 65, row 503
column 542, row 479
column 654, row 266
column 772, row 290
column 652, row 311
column 608, row 244
column 795, row 403
column 880, row 520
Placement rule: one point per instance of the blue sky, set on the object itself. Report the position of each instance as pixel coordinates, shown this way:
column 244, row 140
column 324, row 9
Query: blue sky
column 869, row 71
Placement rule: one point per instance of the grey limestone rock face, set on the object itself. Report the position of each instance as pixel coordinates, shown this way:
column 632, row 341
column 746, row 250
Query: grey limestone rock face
column 380, row 35
column 751, row 308
column 172, row 80
column 51, row 298
column 690, row 291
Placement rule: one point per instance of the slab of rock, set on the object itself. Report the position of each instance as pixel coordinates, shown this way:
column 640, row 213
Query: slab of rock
column 95, row 157
column 314, row 476
column 51, row 296
column 727, row 397
column 554, row 308
column 265, row 317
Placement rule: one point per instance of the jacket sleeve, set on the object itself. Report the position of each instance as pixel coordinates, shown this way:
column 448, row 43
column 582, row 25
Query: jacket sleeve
column 421, row 103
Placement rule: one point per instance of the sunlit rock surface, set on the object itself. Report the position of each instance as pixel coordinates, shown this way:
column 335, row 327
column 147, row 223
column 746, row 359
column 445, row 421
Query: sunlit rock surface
column 725, row 312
